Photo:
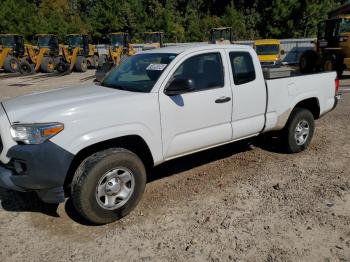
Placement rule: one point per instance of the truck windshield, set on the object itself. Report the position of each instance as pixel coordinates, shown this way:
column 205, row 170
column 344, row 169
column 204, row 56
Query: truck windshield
column 267, row 49
column 139, row 73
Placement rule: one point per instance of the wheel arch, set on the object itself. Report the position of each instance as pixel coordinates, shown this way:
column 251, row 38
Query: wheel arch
column 134, row 143
column 311, row 104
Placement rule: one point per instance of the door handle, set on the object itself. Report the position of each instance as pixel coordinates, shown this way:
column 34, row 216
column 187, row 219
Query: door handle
column 223, row 99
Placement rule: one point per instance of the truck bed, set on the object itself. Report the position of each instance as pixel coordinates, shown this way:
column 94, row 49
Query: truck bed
column 285, row 92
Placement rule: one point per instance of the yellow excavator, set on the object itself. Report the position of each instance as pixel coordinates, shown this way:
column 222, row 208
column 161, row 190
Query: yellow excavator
column 221, row 35
column 41, row 57
column 79, row 55
column 153, row 40
column 120, row 48
column 11, row 50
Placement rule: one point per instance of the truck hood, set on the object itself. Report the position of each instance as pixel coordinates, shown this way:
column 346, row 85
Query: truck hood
column 35, row 108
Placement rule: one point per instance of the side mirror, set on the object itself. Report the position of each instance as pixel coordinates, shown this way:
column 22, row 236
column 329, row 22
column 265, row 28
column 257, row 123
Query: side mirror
column 179, row 86
column 283, row 52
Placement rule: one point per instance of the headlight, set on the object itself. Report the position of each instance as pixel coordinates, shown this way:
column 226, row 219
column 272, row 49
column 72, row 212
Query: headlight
column 35, row 133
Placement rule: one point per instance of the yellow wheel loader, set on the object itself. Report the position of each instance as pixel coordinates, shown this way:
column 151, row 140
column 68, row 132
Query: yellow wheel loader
column 41, row 57
column 332, row 47
column 79, row 55
column 119, row 49
column 11, row 50
column 221, row 35
column 153, row 40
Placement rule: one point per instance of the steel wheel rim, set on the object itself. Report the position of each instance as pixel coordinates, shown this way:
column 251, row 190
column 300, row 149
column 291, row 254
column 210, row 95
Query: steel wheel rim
column 115, row 188
column 302, row 132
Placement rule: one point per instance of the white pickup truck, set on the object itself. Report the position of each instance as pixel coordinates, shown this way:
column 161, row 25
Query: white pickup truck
column 99, row 140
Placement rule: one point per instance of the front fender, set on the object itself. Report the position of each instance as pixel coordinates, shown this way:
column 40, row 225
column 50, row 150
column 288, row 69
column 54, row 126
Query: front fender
column 77, row 142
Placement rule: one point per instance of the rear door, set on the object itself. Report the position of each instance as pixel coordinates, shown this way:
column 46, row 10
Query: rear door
column 201, row 118
column 249, row 93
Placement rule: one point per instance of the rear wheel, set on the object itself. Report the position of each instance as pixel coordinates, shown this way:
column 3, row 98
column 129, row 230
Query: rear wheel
column 299, row 130
column 11, row 64
column 108, row 185
column 47, row 65
column 26, row 68
column 81, row 64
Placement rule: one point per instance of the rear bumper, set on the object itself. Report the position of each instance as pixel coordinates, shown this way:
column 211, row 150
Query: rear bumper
column 336, row 100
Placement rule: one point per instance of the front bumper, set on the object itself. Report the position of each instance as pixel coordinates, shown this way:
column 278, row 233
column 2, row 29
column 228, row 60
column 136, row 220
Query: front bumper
column 6, row 182
column 40, row 168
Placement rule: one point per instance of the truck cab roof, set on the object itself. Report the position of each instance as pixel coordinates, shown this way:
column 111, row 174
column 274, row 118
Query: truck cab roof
column 195, row 48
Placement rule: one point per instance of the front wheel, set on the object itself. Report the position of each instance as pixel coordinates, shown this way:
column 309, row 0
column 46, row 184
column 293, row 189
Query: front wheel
column 299, row 130
column 108, row 185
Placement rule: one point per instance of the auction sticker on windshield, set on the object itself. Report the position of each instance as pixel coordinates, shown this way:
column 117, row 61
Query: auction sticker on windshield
column 157, row 67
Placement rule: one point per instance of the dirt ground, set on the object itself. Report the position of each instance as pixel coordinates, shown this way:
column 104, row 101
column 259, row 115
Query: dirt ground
column 240, row 202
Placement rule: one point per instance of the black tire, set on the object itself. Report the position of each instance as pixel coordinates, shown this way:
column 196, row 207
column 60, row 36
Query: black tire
column 87, row 178
column 47, row 65
column 26, row 68
column 81, row 64
column 62, row 67
column 307, row 62
column 11, row 64
column 299, row 116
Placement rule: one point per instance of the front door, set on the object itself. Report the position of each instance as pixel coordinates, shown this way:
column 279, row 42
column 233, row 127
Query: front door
column 201, row 118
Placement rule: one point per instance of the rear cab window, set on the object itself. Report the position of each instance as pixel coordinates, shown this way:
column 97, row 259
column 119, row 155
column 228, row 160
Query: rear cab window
column 243, row 69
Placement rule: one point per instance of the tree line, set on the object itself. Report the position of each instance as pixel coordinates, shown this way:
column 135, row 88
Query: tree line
column 181, row 20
